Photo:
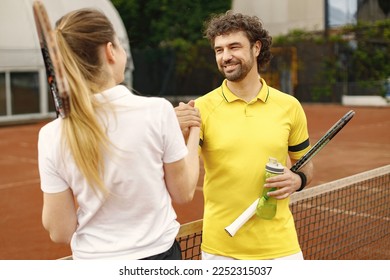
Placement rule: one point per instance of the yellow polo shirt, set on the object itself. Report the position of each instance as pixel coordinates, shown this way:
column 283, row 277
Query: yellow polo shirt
column 237, row 139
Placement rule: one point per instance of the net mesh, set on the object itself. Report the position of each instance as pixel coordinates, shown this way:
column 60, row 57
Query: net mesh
column 190, row 244
column 345, row 219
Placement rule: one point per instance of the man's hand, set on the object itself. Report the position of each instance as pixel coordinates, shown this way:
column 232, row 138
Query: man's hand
column 289, row 182
column 285, row 184
column 188, row 116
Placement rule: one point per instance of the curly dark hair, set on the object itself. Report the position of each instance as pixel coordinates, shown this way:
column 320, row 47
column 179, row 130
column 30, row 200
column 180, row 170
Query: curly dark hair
column 221, row 24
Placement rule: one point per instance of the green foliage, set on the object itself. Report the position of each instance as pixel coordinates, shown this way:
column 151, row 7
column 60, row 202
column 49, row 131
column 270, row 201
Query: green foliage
column 361, row 55
column 296, row 35
column 370, row 59
column 171, row 24
column 157, row 23
column 331, row 75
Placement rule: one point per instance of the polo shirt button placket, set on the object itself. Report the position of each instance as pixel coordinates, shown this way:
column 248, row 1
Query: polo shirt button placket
column 248, row 110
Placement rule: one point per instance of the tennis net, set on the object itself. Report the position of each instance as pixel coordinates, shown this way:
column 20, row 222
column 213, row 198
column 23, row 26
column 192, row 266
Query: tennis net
column 344, row 219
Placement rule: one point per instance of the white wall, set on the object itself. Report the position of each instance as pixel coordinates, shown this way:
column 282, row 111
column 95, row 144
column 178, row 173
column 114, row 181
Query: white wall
column 19, row 46
column 20, row 49
column 281, row 16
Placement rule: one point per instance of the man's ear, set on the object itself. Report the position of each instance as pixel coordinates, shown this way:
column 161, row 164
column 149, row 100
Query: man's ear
column 109, row 52
column 257, row 48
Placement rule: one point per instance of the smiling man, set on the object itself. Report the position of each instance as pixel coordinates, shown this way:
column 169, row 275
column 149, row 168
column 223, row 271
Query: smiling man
column 244, row 123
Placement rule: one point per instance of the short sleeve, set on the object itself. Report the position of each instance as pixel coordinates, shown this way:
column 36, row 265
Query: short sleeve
column 299, row 142
column 174, row 145
column 48, row 152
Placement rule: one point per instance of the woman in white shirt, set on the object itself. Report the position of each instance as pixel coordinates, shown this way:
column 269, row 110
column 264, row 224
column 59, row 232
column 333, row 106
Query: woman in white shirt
column 111, row 169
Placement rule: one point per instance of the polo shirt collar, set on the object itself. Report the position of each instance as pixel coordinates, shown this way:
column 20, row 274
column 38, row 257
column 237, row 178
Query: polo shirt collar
column 113, row 93
column 230, row 97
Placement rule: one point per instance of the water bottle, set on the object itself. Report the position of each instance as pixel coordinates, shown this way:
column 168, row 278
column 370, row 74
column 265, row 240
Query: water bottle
column 266, row 207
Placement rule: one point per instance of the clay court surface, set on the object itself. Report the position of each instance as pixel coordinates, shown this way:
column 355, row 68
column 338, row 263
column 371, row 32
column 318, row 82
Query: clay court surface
column 364, row 144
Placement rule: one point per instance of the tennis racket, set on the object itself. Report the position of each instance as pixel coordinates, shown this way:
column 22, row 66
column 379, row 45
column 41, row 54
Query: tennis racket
column 250, row 211
column 55, row 70
column 323, row 141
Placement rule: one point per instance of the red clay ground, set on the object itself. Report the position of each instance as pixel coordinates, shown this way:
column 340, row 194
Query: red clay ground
column 362, row 145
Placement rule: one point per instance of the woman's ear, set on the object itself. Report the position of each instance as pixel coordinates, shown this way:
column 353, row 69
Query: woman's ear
column 109, row 52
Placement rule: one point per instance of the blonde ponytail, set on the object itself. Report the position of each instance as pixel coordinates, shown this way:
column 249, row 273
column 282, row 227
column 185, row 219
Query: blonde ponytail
column 79, row 37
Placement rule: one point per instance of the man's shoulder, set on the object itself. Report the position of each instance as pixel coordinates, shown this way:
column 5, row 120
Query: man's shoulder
column 210, row 99
column 283, row 97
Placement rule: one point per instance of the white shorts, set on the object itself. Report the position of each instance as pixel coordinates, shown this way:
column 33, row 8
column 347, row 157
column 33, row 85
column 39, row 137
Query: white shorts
column 207, row 256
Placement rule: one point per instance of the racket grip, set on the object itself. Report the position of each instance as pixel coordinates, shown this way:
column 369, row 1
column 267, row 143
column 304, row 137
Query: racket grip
column 242, row 219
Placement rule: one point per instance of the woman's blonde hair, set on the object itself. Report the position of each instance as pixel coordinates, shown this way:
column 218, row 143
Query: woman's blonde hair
column 80, row 35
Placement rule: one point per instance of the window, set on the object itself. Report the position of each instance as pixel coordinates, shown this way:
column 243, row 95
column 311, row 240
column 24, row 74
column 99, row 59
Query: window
column 25, row 92
column 3, row 105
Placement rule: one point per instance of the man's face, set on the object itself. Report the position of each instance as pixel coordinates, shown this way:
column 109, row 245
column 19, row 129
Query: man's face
column 234, row 56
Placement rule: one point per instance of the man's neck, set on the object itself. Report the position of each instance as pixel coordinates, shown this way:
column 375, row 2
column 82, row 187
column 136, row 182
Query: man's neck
column 246, row 89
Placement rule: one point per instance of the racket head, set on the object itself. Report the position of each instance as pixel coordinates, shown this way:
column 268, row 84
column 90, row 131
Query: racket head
column 339, row 124
column 55, row 70
column 323, row 141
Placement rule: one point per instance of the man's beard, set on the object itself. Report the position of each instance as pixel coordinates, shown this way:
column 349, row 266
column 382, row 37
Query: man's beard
column 239, row 73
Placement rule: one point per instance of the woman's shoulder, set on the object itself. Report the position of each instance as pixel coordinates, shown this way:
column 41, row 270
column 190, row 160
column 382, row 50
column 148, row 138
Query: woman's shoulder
column 51, row 126
column 154, row 102
column 50, row 131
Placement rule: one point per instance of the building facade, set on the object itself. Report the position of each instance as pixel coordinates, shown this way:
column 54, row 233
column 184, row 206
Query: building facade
column 24, row 93
column 281, row 16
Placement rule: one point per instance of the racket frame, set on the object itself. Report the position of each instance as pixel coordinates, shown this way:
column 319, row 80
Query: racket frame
column 320, row 144
column 55, row 70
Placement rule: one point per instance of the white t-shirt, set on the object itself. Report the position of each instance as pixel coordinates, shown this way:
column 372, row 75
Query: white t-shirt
column 137, row 220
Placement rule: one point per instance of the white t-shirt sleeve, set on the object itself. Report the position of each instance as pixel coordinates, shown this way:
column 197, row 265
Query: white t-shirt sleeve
column 174, row 146
column 48, row 150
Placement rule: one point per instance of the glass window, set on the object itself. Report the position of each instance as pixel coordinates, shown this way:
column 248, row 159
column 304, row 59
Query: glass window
column 3, row 106
column 25, row 92
column 342, row 12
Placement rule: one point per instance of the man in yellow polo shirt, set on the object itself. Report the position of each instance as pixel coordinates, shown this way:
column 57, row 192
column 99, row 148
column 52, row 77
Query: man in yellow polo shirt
column 244, row 123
